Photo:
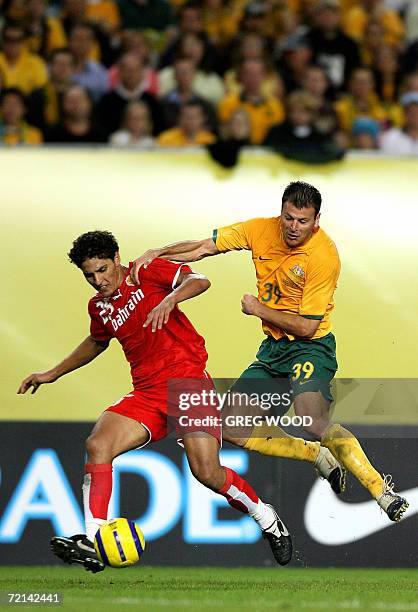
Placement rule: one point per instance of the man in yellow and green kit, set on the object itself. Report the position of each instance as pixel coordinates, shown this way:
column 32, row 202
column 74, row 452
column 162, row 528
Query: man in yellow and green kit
column 297, row 268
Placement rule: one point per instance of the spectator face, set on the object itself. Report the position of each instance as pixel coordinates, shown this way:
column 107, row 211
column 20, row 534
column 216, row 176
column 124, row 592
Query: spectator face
column 192, row 119
column 362, row 84
column 131, row 71
column 411, row 116
column 370, row 4
column 255, row 22
column 75, row 9
column 298, row 58
column 387, row 60
column 36, row 9
column 374, row 34
column 184, row 72
column 365, row 141
column 299, row 115
column 61, row 67
column 81, row 42
column 315, row 82
column 137, row 120
column 193, row 48
column 134, row 41
column 252, row 76
column 240, row 125
column 12, row 110
column 411, row 83
column 252, row 47
column 327, row 19
column 13, row 42
column 76, row 104
column 213, row 5
column 14, row 10
column 191, row 20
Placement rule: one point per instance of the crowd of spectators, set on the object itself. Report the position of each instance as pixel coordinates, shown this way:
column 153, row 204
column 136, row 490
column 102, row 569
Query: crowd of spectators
column 307, row 78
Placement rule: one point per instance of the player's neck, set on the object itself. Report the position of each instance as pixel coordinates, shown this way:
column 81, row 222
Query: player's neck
column 123, row 273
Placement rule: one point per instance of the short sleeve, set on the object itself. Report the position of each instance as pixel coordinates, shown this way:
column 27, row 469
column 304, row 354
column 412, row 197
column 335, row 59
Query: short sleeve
column 320, row 283
column 163, row 273
column 98, row 330
column 232, row 237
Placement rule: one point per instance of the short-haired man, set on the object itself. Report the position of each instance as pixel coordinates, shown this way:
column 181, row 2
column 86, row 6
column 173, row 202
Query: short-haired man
column 297, row 267
column 160, row 345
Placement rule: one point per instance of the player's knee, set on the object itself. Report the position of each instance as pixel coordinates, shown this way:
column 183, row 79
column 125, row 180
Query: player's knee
column 98, row 449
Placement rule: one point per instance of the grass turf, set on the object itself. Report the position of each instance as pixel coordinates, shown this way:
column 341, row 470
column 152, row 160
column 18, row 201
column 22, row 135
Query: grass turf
column 190, row 589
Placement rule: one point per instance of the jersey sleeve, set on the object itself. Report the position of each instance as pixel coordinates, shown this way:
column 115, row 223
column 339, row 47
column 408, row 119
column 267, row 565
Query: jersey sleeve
column 320, row 283
column 97, row 329
column 163, row 273
column 233, row 237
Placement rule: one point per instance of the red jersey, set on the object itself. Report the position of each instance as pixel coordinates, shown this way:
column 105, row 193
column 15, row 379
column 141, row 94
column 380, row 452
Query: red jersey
column 174, row 351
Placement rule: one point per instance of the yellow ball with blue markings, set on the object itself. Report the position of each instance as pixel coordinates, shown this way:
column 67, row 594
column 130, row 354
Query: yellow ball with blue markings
column 119, row 543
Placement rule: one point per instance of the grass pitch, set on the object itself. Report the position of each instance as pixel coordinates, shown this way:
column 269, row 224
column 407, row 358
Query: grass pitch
column 190, row 589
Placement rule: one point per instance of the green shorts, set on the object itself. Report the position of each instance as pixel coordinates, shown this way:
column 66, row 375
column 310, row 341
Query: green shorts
column 310, row 365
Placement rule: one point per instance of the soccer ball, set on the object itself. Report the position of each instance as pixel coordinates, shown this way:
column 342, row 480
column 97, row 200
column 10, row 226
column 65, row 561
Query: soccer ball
column 119, row 543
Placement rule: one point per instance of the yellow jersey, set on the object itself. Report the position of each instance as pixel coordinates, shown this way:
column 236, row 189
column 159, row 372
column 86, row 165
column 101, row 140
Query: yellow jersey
column 28, row 73
column 176, row 137
column 263, row 116
column 299, row 280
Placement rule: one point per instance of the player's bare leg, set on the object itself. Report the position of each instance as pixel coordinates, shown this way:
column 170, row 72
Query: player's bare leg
column 112, row 435
column 347, row 450
column 202, row 452
column 273, row 441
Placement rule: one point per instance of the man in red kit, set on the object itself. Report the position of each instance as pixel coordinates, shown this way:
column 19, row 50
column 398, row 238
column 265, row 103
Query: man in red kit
column 160, row 344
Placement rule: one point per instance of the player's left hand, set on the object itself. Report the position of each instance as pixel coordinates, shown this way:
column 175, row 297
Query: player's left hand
column 160, row 314
column 250, row 304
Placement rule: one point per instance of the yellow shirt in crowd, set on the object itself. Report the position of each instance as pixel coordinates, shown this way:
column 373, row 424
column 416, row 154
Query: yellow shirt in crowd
column 355, row 20
column 56, row 38
column 28, row 73
column 177, row 138
column 23, row 135
column 348, row 112
column 262, row 116
column 299, row 280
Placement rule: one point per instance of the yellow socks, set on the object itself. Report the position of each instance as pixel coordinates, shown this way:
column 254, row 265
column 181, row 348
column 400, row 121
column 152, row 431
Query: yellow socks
column 347, row 450
column 272, row 440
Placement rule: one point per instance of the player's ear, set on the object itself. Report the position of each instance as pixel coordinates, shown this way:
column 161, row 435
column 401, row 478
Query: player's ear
column 317, row 220
column 116, row 259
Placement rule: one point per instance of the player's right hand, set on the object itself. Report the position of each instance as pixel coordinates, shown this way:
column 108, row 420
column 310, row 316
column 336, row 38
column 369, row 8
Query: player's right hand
column 143, row 260
column 35, row 380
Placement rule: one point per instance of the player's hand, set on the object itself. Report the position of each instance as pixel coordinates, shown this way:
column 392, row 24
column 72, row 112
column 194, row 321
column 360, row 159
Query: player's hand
column 35, row 380
column 250, row 305
column 143, row 260
column 160, row 314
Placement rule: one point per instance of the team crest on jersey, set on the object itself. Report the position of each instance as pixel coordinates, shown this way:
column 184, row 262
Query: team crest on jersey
column 298, row 271
column 106, row 310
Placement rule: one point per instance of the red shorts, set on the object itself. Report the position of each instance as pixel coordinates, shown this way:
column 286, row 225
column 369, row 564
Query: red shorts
column 183, row 405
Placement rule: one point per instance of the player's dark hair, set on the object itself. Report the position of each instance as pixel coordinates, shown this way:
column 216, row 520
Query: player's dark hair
column 100, row 244
column 302, row 195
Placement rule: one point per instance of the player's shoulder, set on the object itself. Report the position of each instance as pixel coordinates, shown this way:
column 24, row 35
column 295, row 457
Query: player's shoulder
column 94, row 303
column 323, row 249
column 324, row 243
column 262, row 224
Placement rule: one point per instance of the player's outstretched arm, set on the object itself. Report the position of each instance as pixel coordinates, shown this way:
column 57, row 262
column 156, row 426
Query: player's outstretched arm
column 88, row 350
column 293, row 324
column 187, row 251
column 188, row 286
